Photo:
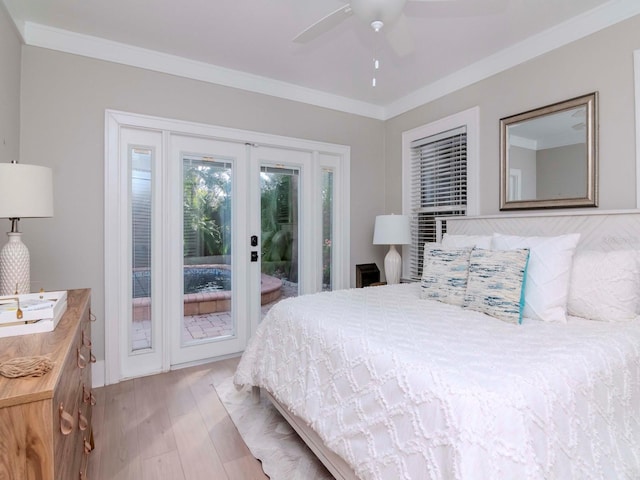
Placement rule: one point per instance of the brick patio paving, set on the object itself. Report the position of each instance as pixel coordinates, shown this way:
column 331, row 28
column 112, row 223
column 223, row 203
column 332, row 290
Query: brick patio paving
column 209, row 325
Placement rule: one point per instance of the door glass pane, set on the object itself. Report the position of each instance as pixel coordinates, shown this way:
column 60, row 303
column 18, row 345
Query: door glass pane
column 327, row 228
column 279, row 189
column 207, row 238
column 140, row 184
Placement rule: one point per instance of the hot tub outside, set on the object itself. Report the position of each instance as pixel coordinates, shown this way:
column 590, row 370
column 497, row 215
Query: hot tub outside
column 203, row 303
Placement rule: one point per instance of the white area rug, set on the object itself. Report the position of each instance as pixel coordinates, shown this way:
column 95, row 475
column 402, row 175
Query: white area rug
column 270, row 438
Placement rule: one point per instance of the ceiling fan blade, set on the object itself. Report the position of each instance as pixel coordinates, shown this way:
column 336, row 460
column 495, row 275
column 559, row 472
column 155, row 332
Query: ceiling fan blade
column 324, row 24
column 399, row 37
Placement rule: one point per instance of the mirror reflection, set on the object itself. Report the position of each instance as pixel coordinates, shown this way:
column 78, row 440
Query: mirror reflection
column 548, row 156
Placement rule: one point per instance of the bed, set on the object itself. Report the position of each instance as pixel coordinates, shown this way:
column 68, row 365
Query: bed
column 389, row 383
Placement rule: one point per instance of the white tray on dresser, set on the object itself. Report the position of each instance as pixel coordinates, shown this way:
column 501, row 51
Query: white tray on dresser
column 40, row 312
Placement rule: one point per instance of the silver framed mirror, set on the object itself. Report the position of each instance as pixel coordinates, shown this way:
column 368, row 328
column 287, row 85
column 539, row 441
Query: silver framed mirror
column 549, row 156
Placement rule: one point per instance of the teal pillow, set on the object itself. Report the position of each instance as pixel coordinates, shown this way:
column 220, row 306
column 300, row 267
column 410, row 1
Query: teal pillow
column 495, row 285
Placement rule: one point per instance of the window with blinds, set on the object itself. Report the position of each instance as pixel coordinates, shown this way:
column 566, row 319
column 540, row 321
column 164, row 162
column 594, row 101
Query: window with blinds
column 438, row 181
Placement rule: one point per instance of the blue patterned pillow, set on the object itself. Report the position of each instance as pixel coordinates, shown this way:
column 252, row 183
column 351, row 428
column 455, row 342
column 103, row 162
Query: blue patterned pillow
column 444, row 273
column 496, row 283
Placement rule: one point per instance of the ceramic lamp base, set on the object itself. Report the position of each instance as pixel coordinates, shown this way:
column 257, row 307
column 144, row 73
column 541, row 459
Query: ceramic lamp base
column 14, row 266
column 392, row 266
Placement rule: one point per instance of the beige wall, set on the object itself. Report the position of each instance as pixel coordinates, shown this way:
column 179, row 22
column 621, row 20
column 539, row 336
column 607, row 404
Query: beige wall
column 524, row 159
column 64, row 100
column 62, row 126
column 9, row 94
column 603, row 62
column 562, row 172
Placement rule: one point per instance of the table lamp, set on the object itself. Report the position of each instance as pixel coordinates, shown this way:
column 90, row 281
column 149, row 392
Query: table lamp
column 25, row 191
column 392, row 230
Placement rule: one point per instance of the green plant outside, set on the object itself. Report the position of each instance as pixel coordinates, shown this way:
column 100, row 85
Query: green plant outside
column 207, row 209
column 207, row 217
column 279, row 224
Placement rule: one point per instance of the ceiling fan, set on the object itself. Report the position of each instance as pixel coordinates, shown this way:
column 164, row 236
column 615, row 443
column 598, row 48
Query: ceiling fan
column 377, row 13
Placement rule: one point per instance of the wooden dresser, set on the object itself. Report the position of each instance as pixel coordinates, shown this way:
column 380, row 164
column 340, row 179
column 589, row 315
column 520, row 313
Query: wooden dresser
column 45, row 422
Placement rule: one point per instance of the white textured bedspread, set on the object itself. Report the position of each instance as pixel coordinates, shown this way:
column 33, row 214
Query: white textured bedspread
column 404, row 388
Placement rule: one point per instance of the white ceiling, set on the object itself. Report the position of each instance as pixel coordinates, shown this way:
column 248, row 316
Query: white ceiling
column 248, row 43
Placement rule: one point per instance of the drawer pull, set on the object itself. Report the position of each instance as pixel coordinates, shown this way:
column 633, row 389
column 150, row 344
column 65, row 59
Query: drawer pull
column 86, row 341
column 82, row 362
column 66, row 421
column 83, row 423
column 87, row 396
column 87, row 446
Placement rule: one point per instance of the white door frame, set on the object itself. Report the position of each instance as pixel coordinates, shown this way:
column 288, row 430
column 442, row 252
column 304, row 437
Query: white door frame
column 336, row 157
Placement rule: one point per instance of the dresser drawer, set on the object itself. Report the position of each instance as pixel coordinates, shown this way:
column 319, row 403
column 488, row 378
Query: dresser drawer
column 45, row 421
column 67, row 402
column 25, row 433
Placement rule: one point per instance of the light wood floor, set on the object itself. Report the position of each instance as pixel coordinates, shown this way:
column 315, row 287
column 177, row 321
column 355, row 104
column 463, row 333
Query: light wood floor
column 170, row 426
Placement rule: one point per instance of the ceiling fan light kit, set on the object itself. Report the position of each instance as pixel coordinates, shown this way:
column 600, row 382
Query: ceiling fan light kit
column 377, row 25
column 376, row 13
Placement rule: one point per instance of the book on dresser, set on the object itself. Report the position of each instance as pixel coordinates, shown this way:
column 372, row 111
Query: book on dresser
column 45, row 422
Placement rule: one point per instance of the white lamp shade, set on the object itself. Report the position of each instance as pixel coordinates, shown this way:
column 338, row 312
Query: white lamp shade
column 25, row 191
column 392, row 230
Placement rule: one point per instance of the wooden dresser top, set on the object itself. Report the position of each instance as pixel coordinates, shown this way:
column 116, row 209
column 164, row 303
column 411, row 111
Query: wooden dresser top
column 55, row 345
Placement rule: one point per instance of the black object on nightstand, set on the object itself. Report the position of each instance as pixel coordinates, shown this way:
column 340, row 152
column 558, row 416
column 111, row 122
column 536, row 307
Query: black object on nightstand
column 367, row 274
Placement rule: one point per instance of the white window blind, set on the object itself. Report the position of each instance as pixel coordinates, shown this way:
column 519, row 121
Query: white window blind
column 438, row 187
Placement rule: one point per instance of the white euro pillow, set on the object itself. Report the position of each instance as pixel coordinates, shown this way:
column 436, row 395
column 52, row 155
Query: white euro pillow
column 466, row 241
column 548, row 273
column 605, row 286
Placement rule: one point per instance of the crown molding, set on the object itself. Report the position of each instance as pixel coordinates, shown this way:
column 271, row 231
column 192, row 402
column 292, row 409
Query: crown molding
column 562, row 34
column 94, row 47
column 578, row 27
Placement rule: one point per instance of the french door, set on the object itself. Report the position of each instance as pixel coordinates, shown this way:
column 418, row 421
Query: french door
column 204, row 232
column 207, row 248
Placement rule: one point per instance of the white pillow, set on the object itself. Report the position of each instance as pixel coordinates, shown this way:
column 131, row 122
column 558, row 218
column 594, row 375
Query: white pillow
column 605, row 286
column 464, row 241
column 548, row 273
